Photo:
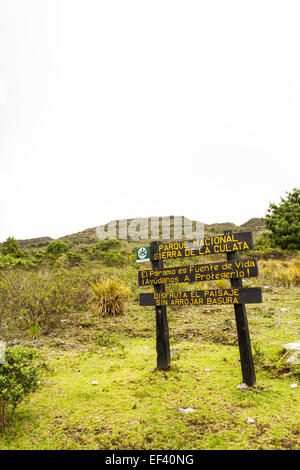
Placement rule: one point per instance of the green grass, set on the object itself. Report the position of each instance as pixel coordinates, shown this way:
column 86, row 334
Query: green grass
column 135, row 406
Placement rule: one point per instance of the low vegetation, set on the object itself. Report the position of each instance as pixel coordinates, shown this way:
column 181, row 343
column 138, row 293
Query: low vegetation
column 281, row 273
column 18, row 378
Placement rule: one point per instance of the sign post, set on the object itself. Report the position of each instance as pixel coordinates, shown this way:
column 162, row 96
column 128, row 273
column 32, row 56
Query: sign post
column 247, row 365
column 162, row 328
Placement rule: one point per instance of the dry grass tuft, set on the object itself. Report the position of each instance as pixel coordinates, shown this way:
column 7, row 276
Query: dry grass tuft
column 281, row 273
column 108, row 298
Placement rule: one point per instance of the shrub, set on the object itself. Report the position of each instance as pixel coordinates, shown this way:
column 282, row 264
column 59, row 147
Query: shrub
column 18, row 378
column 270, row 253
column 264, row 241
column 105, row 245
column 11, row 255
column 74, row 259
column 38, row 257
column 39, row 300
column 283, row 220
column 57, row 248
column 9, row 261
column 11, row 247
column 108, row 298
column 294, row 272
column 281, row 273
column 111, row 258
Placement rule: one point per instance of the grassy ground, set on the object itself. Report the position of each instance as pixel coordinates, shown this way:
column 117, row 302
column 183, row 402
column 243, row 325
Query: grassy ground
column 134, row 406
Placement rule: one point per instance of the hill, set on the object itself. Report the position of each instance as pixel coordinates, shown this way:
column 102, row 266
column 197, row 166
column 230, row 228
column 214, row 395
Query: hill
column 83, row 240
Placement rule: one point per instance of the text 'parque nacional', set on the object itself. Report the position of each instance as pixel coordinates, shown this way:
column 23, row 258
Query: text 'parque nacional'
column 204, row 246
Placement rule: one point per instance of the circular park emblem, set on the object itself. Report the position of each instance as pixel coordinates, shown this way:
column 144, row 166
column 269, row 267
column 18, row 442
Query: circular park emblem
column 142, row 253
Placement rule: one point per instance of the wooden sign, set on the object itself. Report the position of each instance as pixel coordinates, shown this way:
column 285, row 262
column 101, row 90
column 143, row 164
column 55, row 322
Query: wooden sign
column 204, row 297
column 203, row 246
column 201, row 272
column 232, row 268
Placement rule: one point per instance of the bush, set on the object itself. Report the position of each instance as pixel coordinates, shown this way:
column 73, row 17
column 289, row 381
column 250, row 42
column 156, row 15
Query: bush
column 264, row 240
column 111, row 258
column 108, row 339
column 105, row 250
column 271, row 253
column 11, row 247
column 57, row 248
column 281, row 273
column 11, row 255
column 108, row 298
column 283, row 220
column 18, row 378
column 105, row 245
column 39, row 300
column 8, row 261
column 74, row 259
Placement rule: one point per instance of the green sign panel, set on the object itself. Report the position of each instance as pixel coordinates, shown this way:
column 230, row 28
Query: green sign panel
column 143, row 254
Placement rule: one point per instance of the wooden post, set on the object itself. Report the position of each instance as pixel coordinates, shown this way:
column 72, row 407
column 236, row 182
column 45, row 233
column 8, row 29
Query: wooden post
column 162, row 328
column 247, row 365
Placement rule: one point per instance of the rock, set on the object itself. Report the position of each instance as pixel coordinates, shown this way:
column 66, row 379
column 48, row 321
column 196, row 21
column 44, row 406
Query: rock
column 250, row 421
column 284, row 309
column 293, row 346
column 207, row 370
column 187, row 410
column 294, row 385
column 174, row 352
column 294, row 358
column 95, row 382
column 242, row 386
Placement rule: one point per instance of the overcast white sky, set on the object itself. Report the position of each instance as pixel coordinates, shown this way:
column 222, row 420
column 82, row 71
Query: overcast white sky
column 118, row 109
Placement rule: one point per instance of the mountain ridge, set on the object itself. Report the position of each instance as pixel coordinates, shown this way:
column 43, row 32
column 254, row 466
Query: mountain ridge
column 87, row 237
